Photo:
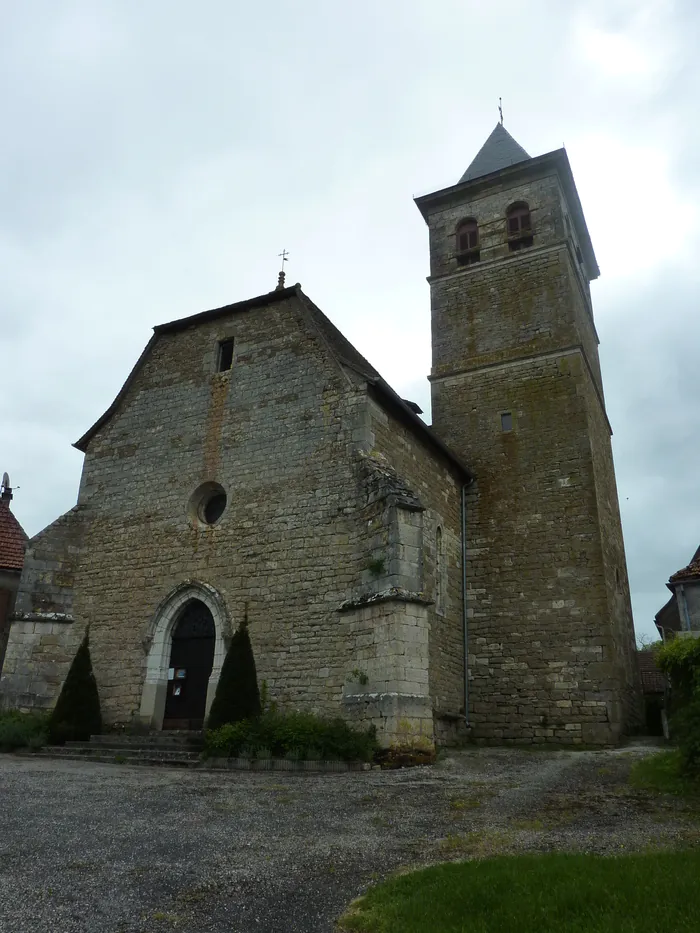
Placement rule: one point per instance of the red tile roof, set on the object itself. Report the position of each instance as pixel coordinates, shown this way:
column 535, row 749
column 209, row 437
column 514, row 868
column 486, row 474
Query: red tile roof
column 12, row 539
column 692, row 571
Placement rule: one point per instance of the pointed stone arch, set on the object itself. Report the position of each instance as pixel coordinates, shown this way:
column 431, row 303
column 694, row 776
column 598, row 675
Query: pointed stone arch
column 158, row 641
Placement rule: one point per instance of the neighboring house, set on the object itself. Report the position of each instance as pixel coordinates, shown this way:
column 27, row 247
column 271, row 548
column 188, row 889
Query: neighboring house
column 423, row 579
column 682, row 612
column 12, row 544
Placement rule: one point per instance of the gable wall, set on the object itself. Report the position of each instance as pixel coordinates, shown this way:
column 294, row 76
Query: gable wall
column 275, row 433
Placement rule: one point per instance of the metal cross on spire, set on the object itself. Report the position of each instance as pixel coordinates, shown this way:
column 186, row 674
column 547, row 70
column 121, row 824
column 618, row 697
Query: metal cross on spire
column 500, row 109
column 280, row 277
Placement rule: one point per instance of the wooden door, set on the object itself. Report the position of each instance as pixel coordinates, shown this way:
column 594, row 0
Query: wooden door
column 191, row 662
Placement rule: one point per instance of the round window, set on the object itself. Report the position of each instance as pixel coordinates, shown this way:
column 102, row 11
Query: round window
column 207, row 503
column 213, row 508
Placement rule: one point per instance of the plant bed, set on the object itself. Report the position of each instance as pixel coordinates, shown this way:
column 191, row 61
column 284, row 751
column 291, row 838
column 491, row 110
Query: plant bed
column 391, row 758
column 294, row 736
column 22, row 730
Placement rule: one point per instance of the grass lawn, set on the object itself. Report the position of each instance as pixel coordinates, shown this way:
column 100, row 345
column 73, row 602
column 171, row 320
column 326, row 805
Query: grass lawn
column 655, row 893
column 662, row 773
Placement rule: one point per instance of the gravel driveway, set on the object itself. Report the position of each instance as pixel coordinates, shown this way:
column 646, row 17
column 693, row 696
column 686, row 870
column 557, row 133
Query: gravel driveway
column 97, row 847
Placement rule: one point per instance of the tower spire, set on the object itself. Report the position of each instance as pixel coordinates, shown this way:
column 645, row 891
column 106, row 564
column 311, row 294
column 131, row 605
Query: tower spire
column 500, row 109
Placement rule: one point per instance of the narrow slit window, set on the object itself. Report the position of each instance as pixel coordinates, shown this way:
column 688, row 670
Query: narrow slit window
column 225, row 354
column 439, row 573
column 506, row 421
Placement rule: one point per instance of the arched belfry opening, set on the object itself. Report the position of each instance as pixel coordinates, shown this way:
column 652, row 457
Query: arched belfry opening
column 191, row 662
column 185, row 646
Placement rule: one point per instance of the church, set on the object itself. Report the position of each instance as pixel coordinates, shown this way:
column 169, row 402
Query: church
column 466, row 579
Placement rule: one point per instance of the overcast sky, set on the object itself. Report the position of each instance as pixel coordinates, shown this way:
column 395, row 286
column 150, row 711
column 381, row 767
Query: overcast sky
column 156, row 156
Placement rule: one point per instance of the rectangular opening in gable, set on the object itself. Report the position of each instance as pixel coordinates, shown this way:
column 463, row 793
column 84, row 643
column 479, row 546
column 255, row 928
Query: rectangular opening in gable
column 225, row 354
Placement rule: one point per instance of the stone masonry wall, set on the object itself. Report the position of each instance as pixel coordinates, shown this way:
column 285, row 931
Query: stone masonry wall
column 623, row 658
column 392, row 651
column 536, row 591
column 8, row 591
column 509, row 303
column 439, row 490
column 275, row 432
column 514, row 333
column 43, row 636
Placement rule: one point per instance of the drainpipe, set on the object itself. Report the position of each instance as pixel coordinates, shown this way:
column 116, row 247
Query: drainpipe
column 465, row 617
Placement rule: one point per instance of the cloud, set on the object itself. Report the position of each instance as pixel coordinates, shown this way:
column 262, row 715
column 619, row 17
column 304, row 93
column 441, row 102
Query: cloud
column 629, row 43
column 157, row 157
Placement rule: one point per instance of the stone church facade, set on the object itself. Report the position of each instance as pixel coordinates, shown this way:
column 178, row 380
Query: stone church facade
column 256, row 469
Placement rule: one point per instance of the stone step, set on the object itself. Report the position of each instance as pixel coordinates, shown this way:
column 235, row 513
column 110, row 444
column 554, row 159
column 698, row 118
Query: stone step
column 130, row 747
column 127, row 754
column 107, row 757
column 190, row 760
column 152, row 740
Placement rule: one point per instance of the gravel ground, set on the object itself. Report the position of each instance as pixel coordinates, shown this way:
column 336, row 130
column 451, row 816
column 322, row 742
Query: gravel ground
column 119, row 849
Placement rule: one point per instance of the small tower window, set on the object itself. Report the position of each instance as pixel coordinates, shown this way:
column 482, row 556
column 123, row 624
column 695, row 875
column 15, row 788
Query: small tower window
column 468, row 242
column 225, row 355
column 506, row 421
column 519, row 226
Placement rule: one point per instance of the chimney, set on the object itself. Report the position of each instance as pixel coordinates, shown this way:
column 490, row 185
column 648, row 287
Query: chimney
column 5, row 491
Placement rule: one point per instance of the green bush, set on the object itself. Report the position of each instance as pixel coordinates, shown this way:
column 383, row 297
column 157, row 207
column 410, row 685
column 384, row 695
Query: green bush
column 686, row 729
column 680, row 660
column 22, row 730
column 76, row 715
column 237, row 696
column 292, row 735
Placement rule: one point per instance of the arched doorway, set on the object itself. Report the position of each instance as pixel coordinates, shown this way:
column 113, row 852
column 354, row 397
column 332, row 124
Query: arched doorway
column 158, row 643
column 190, row 667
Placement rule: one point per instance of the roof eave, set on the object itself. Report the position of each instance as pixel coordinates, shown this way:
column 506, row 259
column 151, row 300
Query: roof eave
column 172, row 327
column 395, row 402
column 279, row 294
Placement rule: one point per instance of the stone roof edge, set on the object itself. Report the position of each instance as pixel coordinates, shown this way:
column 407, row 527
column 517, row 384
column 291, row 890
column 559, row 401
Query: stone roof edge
column 367, row 371
column 393, row 401
column 391, row 398
column 559, row 159
column 172, row 327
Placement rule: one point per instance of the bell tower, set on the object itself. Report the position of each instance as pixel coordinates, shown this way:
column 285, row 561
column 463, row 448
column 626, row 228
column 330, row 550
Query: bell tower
column 517, row 393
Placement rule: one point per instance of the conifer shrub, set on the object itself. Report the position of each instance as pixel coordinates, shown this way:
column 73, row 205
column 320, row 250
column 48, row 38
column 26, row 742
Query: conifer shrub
column 237, row 696
column 292, row 735
column 76, row 715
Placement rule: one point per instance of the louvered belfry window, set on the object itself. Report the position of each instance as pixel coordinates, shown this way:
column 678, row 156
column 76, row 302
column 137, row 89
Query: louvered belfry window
column 519, row 225
column 468, row 242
